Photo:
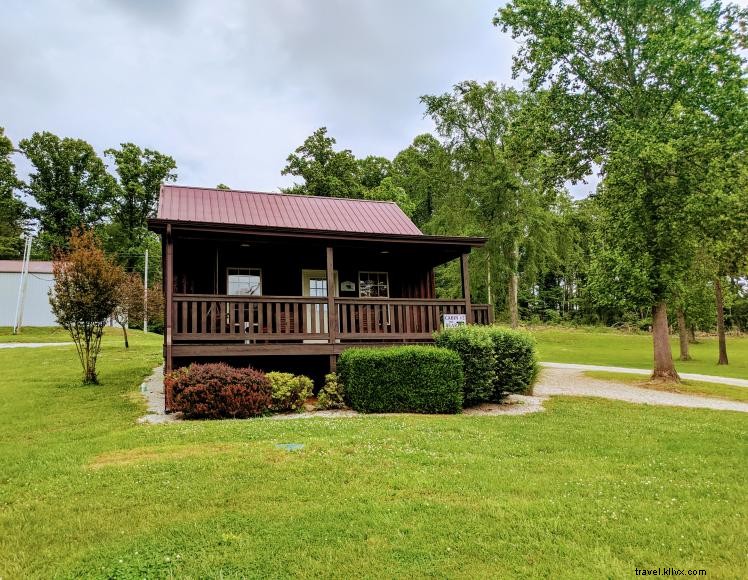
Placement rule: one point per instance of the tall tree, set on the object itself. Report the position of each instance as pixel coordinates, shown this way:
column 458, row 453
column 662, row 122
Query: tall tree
column 506, row 192
column 324, row 171
column 722, row 221
column 12, row 209
column 70, row 184
column 634, row 84
column 140, row 174
column 424, row 170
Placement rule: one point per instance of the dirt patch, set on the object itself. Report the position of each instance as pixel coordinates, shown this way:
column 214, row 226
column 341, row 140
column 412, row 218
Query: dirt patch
column 512, row 405
column 151, row 454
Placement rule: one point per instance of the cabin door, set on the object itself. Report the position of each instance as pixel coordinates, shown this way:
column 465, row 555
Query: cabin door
column 314, row 284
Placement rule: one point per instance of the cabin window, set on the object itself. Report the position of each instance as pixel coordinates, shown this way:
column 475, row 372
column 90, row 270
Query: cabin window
column 373, row 285
column 244, row 281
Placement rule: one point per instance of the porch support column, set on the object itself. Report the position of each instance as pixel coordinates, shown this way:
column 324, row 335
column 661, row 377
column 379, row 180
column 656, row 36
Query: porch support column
column 466, row 287
column 332, row 313
column 169, row 291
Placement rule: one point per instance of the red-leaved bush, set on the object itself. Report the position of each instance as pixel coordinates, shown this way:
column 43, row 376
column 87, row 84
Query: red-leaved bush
column 217, row 390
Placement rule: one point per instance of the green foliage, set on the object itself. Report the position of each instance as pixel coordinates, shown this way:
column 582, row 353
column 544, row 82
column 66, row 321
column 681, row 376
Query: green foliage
column 331, row 395
column 289, row 391
column 217, row 391
column 516, row 361
column 372, row 170
column 476, row 350
column 324, row 171
column 511, row 185
column 388, row 191
column 140, row 174
column 416, row 379
column 12, row 210
column 654, row 92
column 424, row 170
column 70, row 185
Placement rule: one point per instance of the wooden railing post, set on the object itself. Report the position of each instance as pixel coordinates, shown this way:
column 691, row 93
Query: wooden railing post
column 332, row 313
column 466, row 287
column 169, row 283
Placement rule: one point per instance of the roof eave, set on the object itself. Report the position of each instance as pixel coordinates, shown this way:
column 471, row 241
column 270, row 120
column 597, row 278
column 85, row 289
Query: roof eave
column 158, row 225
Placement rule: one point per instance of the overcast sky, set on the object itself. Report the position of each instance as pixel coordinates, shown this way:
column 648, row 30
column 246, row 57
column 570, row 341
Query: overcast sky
column 228, row 87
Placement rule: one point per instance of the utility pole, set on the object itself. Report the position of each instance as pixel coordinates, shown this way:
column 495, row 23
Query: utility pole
column 22, row 285
column 145, row 295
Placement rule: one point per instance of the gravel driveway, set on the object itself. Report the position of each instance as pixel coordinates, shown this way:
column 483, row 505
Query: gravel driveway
column 572, row 381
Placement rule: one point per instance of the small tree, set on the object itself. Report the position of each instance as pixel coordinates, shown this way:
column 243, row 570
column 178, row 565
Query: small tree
column 84, row 294
column 130, row 300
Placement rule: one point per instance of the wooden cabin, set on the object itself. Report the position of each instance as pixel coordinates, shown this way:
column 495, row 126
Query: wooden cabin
column 249, row 274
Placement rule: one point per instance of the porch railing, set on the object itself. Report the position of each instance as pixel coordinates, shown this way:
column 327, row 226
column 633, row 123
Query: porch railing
column 200, row 317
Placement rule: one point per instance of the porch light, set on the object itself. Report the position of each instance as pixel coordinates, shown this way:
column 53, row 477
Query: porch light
column 384, row 252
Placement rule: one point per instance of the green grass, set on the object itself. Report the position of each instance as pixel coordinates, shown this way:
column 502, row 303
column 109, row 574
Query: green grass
column 589, row 488
column 686, row 386
column 612, row 348
column 34, row 334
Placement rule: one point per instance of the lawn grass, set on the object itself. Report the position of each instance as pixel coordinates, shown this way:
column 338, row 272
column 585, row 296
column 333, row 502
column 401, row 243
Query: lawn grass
column 615, row 348
column 588, row 488
column 35, row 334
column 690, row 387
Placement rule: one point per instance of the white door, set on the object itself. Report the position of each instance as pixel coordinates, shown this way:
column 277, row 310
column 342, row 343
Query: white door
column 314, row 284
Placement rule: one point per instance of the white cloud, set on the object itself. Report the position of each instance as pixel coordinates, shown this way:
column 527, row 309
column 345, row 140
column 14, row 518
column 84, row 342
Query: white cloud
column 230, row 88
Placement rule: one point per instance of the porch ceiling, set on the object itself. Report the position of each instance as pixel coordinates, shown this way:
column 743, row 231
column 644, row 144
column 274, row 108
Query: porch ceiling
column 433, row 249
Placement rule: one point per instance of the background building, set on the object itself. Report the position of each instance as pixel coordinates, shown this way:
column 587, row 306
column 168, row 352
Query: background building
column 36, row 311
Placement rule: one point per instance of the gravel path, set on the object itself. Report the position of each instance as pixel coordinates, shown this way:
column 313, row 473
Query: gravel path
column 692, row 376
column 32, row 344
column 555, row 379
column 558, row 380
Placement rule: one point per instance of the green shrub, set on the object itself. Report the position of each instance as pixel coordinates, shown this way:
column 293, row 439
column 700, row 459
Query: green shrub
column 516, row 362
column 476, row 350
column 217, row 390
column 289, row 391
column 418, row 379
column 331, row 394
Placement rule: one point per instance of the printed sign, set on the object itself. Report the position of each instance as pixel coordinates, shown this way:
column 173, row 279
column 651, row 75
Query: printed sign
column 452, row 320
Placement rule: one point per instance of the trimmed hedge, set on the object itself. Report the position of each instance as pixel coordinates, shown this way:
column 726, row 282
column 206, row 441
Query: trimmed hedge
column 415, row 379
column 217, row 390
column 496, row 361
column 516, row 361
column 476, row 350
column 289, row 391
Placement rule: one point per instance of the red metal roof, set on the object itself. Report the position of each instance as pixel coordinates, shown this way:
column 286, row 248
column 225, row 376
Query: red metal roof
column 35, row 266
column 305, row 212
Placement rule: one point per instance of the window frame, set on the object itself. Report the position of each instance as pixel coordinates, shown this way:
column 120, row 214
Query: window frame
column 387, row 279
column 243, row 268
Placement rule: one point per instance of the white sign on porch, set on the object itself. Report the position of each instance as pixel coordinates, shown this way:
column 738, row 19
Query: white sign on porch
column 453, row 320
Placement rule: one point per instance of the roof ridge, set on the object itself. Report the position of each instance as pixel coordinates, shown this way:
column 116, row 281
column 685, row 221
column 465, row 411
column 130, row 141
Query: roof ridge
column 276, row 193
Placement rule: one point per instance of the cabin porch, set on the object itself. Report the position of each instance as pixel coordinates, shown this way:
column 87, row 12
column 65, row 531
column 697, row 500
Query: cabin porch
column 259, row 295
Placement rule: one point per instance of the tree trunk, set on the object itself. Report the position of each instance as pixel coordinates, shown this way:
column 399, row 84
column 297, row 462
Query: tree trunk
column 664, row 367
column 683, row 335
column 512, row 298
column 692, row 335
column 124, row 330
column 720, row 322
